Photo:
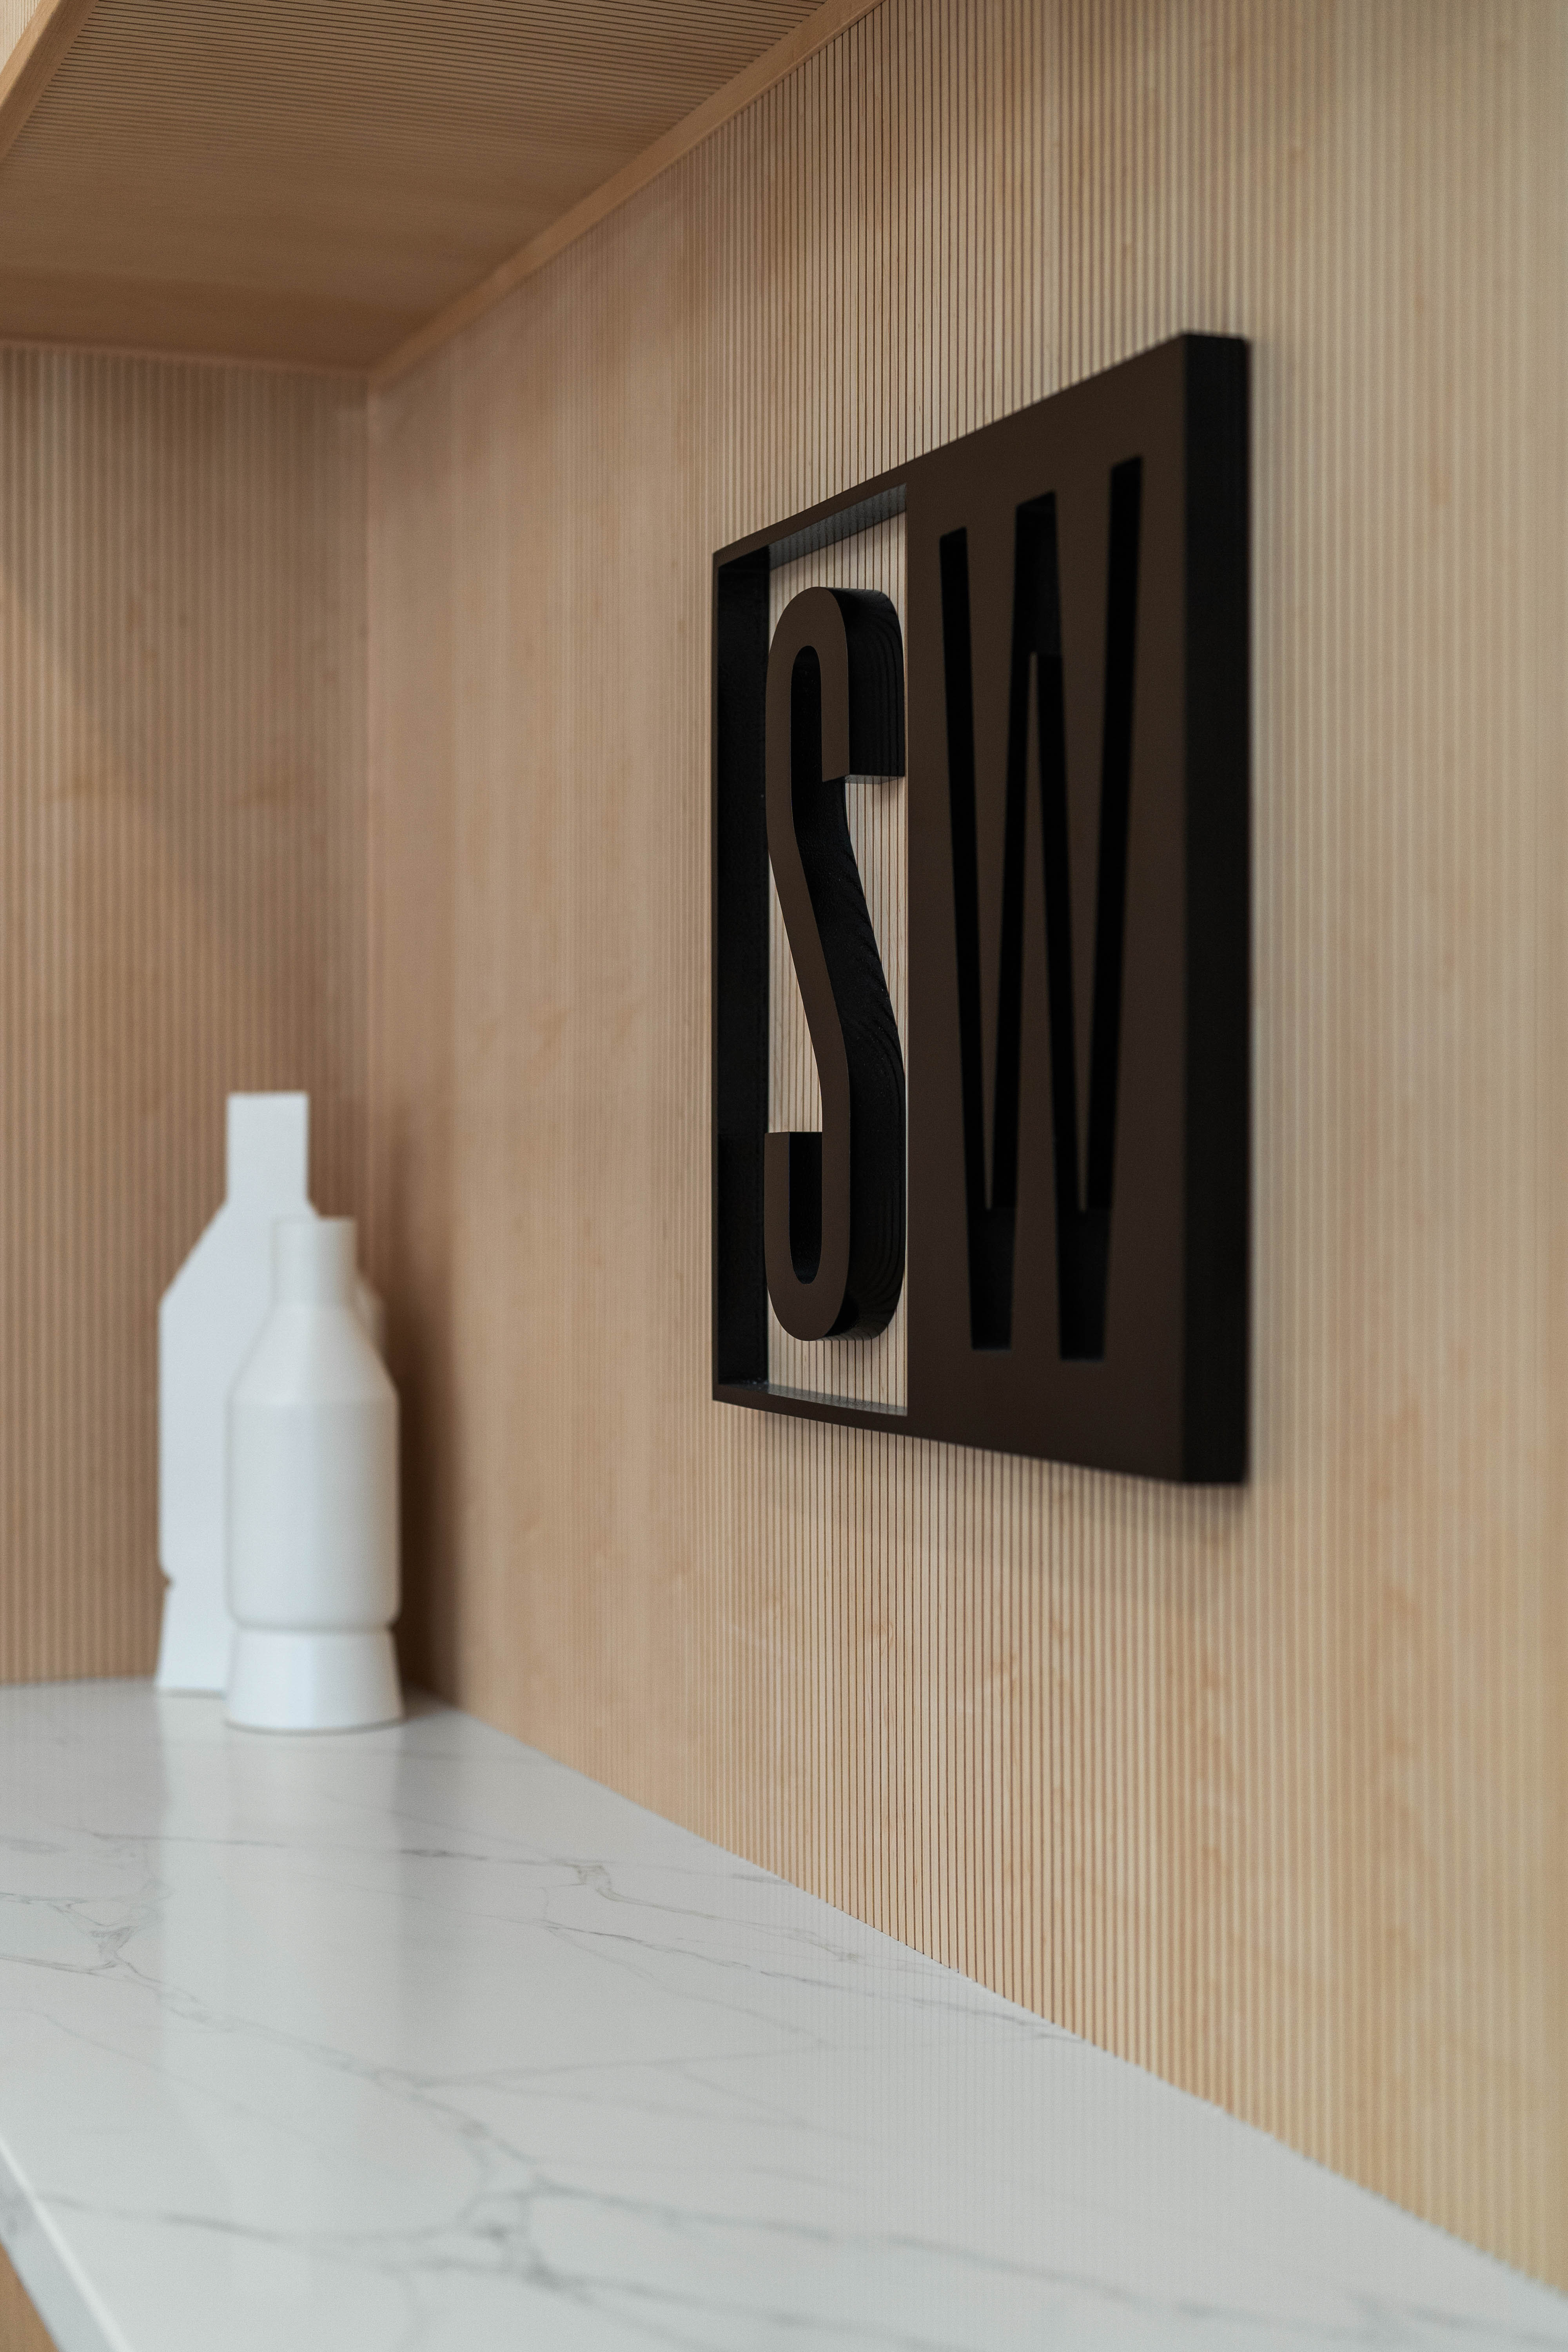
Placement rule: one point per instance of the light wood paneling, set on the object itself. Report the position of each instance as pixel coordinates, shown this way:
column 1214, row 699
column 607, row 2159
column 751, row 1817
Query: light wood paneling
column 792, row 49
column 33, row 45
column 15, row 18
column 312, row 179
column 1263, row 1789
column 181, row 908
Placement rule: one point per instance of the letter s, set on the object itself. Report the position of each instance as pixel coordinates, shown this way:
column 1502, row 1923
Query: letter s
column 834, row 1202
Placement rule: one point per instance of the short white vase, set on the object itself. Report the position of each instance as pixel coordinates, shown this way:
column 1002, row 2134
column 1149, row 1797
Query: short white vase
column 312, row 1501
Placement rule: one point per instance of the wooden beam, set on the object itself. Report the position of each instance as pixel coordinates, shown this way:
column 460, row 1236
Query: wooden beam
column 34, row 61
column 813, row 33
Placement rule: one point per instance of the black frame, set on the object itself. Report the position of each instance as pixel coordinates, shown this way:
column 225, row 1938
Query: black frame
column 1108, row 524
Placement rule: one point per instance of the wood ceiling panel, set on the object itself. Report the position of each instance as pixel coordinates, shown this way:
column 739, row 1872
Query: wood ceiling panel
column 313, row 179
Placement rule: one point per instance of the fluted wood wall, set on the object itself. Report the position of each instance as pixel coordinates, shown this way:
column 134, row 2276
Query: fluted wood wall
column 15, row 18
column 181, row 908
column 1265, row 1790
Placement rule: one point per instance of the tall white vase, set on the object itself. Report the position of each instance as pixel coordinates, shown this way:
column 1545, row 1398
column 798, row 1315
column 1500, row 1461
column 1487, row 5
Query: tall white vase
column 207, row 1325
column 312, row 1501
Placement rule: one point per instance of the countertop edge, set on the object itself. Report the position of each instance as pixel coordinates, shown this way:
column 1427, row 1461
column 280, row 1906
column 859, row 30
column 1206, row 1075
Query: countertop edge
column 68, row 2310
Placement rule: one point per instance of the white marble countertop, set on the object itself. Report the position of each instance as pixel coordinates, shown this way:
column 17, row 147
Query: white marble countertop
column 415, row 2039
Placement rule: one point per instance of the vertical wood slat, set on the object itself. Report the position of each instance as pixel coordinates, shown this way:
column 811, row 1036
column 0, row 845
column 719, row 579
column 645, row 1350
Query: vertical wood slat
column 181, row 908
column 15, row 18
column 1265, row 1790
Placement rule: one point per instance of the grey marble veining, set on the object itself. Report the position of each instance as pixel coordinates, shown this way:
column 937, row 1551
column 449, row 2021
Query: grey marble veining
column 415, row 2039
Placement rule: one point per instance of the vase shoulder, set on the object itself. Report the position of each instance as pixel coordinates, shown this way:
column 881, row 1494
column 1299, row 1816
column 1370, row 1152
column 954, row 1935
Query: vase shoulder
column 313, row 1355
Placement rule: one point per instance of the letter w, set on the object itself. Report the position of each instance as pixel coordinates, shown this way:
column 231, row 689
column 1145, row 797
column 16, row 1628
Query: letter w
column 991, row 1023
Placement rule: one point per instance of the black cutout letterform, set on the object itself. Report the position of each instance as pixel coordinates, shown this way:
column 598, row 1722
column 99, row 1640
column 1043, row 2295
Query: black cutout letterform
column 1036, row 755
column 834, row 1202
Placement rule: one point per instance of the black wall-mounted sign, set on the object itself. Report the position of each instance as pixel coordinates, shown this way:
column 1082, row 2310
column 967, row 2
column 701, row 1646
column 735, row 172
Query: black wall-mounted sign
column 1075, row 1232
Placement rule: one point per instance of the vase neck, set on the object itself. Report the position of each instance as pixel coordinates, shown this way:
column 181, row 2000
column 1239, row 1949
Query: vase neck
column 313, row 1262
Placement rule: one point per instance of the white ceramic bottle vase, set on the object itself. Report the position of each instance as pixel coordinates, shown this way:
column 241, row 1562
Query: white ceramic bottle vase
column 312, row 1501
